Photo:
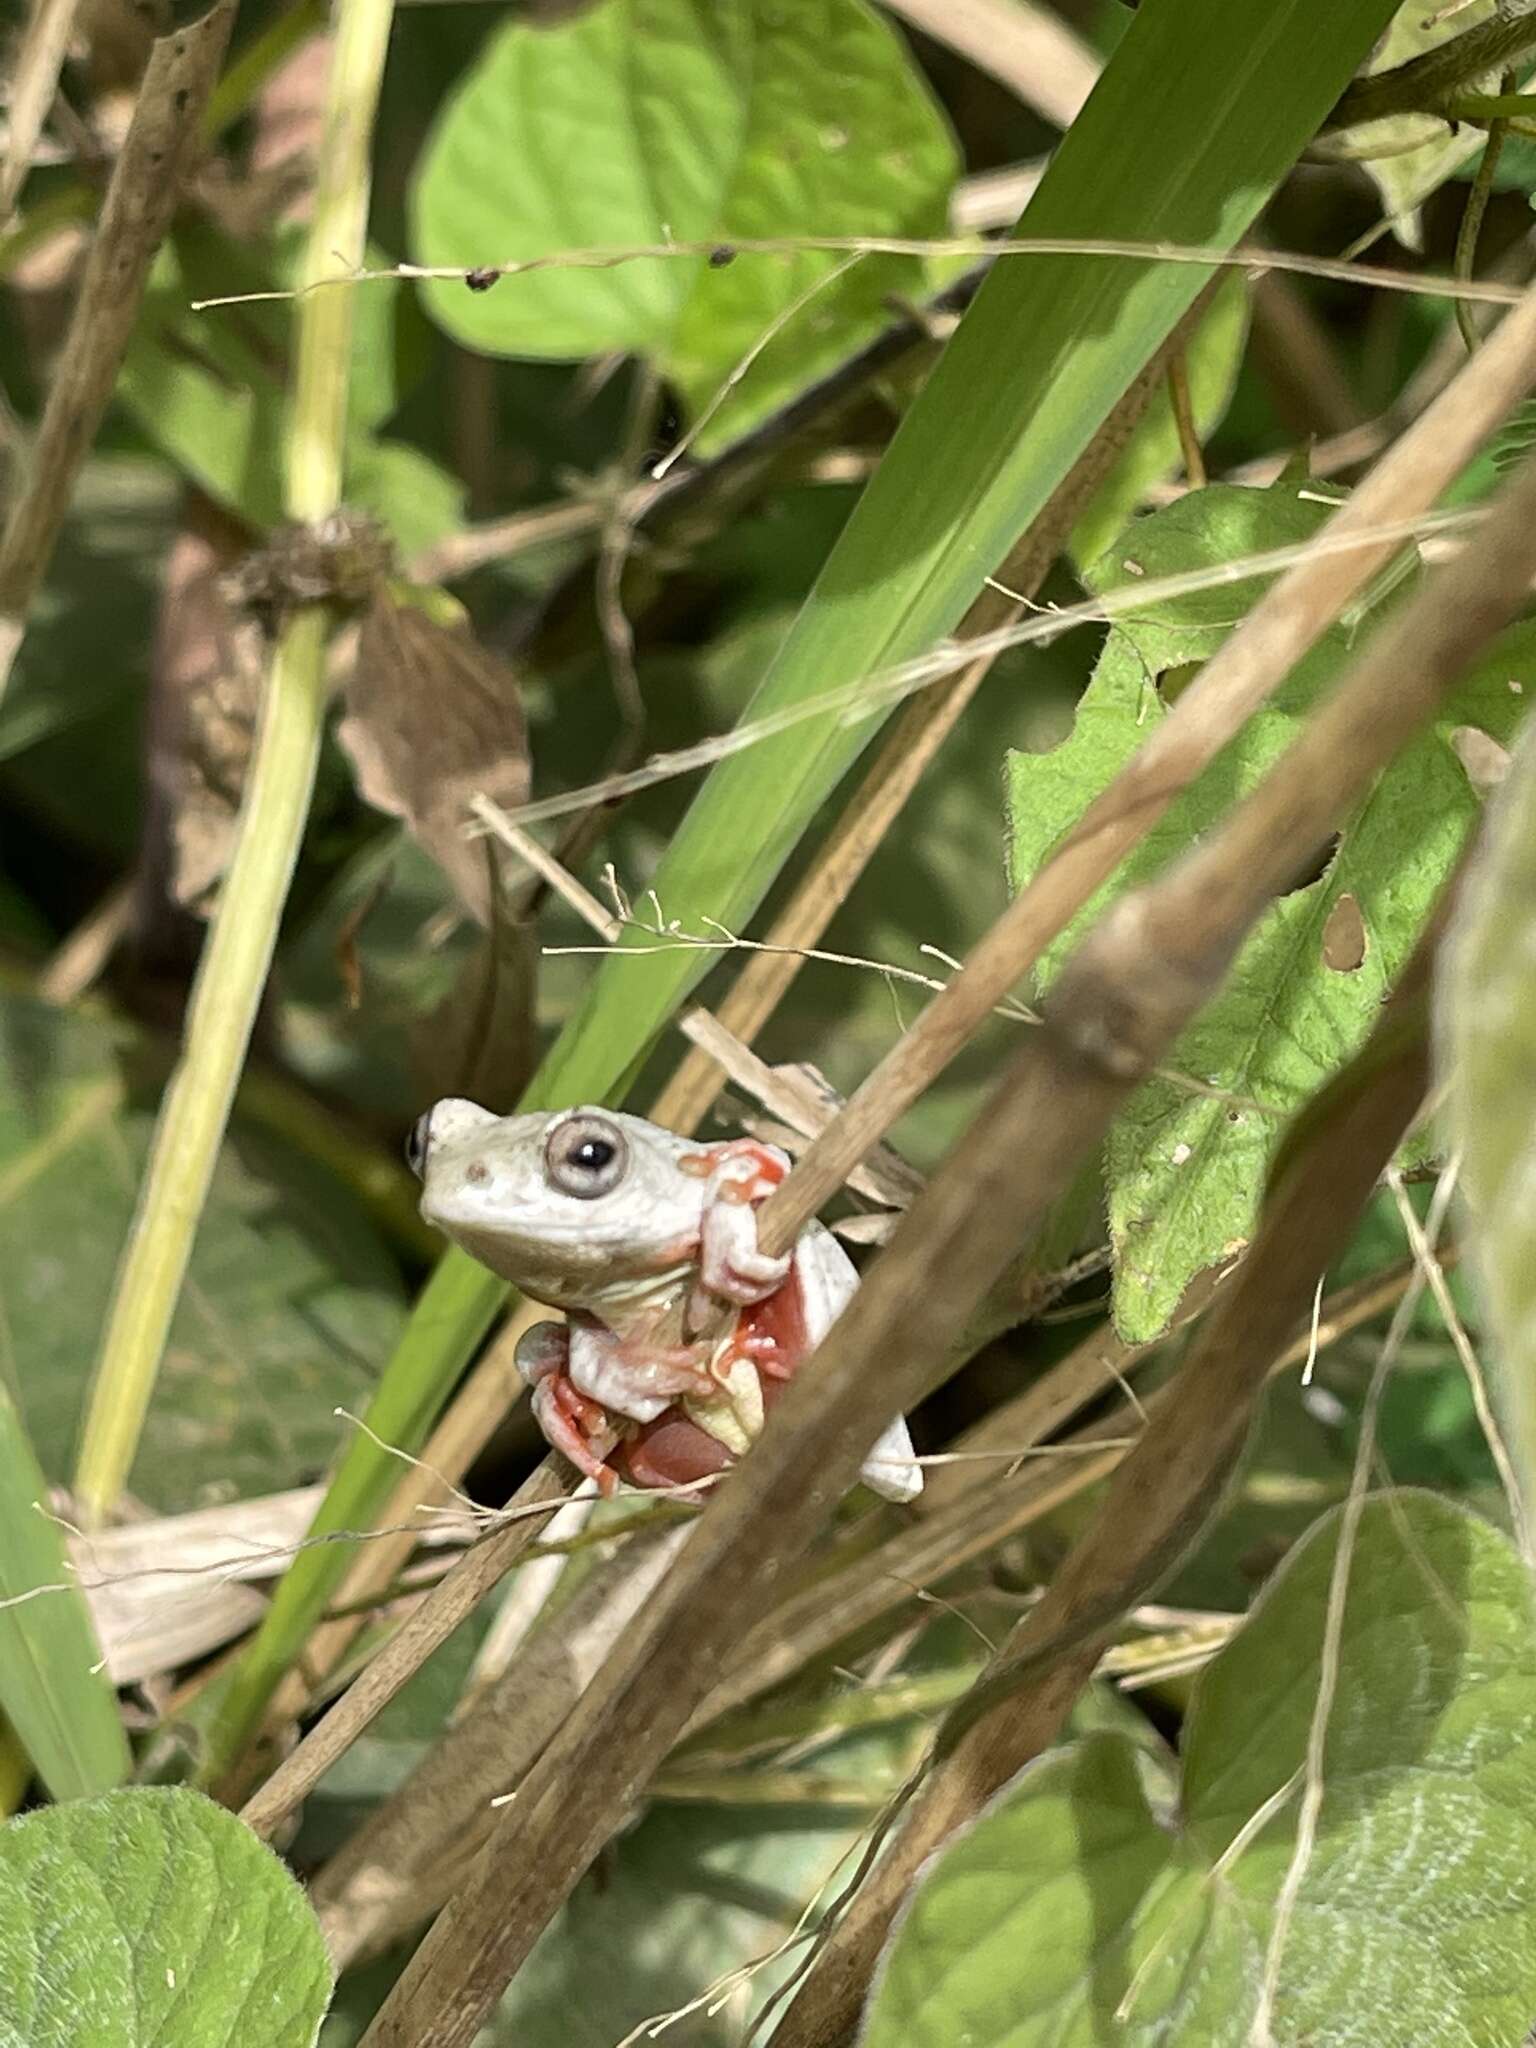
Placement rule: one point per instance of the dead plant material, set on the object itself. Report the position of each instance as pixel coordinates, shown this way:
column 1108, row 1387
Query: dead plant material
column 449, row 1602
column 433, row 719
column 157, row 154
column 1124, row 997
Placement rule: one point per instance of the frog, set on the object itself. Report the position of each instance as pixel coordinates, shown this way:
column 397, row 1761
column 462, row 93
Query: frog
column 680, row 1331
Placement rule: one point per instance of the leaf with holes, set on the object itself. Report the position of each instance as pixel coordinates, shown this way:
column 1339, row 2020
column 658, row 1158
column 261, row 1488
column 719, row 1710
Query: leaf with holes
column 1185, row 1164
column 737, row 120
column 153, row 1917
column 1100, row 1899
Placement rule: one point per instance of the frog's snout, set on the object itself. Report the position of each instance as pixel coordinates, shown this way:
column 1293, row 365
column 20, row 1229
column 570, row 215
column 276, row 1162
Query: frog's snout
column 444, row 1121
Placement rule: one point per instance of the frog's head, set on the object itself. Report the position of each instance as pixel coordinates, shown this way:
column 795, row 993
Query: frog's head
column 577, row 1208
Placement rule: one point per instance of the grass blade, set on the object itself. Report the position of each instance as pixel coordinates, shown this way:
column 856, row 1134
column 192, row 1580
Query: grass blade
column 61, row 1707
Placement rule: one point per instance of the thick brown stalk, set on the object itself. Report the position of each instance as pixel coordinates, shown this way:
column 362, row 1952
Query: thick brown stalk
column 1163, row 1493
column 157, row 153
column 1133, row 985
column 1288, row 620
column 829, row 1613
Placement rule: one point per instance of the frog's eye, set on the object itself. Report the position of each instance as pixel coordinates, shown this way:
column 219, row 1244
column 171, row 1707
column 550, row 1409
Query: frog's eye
column 585, row 1156
column 417, row 1144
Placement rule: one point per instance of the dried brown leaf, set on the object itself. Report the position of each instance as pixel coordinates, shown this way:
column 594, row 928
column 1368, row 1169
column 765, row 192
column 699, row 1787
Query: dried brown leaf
column 433, row 720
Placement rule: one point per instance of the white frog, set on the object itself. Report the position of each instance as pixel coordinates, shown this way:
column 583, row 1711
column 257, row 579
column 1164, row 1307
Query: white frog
column 641, row 1237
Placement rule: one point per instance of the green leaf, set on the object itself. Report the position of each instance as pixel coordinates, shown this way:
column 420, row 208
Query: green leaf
column 1085, row 1904
column 82, row 653
column 1489, row 1036
column 1031, row 371
column 60, row 1704
column 153, row 1919
column 291, row 1299
column 692, row 122
column 1185, row 1169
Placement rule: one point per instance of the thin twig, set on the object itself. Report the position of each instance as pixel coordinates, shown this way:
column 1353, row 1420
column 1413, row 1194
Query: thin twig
column 1464, row 262
column 1254, row 262
column 34, row 80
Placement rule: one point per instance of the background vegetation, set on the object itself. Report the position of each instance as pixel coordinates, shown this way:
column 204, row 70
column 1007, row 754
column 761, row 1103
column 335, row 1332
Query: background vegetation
column 520, row 523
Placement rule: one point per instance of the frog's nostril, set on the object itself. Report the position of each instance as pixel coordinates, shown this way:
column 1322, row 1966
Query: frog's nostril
column 477, row 1173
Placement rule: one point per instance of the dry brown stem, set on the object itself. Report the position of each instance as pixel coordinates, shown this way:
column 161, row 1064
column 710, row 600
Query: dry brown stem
column 1289, row 619
column 1127, row 993
column 146, row 183
column 1163, row 1493
column 1024, row 47
column 34, row 81
column 440, row 1815
column 449, row 1602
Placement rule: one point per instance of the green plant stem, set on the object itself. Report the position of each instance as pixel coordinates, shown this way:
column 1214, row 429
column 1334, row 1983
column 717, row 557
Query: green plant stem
column 1471, row 227
column 238, row 954
column 1427, row 84
column 1491, row 106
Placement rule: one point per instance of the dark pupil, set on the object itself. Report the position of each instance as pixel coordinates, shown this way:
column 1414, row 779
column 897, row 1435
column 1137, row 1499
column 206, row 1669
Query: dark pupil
column 592, row 1155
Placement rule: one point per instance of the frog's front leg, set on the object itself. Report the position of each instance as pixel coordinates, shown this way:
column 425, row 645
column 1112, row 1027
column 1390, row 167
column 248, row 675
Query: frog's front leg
column 732, row 1267
column 631, row 1375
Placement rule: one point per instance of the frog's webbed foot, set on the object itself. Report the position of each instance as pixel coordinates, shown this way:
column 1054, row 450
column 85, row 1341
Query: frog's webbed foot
column 891, row 1469
column 569, row 1422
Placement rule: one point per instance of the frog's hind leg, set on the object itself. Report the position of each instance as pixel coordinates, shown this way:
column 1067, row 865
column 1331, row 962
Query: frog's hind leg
column 672, row 1451
column 569, row 1421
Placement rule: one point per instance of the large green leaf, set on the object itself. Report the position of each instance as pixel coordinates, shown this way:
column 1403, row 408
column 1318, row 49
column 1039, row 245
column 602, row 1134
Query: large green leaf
column 691, row 122
column 1086, row 1905
column 290, row 1302
column 1185, row 1169
column 153, row 1919
column 1043, row 354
